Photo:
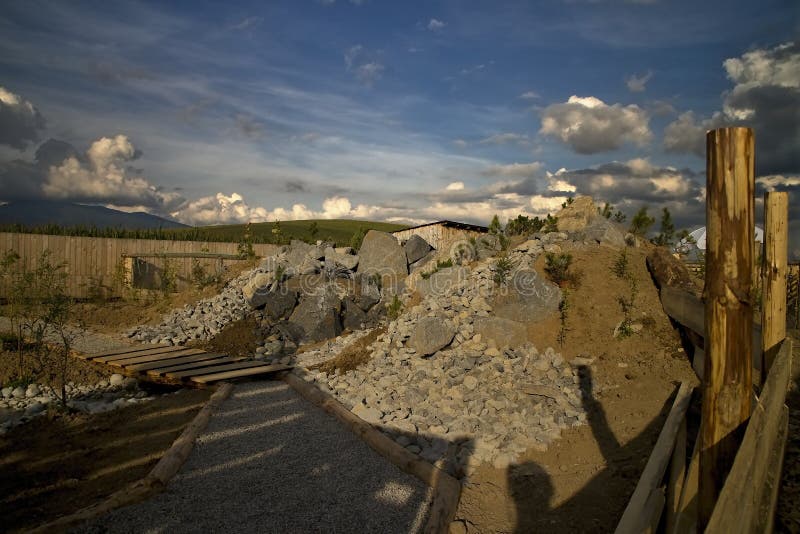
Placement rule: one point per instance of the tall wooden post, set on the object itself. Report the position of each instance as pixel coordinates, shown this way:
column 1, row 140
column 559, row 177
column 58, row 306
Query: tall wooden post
column 773, row 306
column 730, row 208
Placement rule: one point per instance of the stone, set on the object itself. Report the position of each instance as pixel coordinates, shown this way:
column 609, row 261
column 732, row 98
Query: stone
column 576, row 216
column 431, row 334
column 367, row 413
column 334, row 258
column 116, row 379
column 18, row 393
column 32, row 391
column 470, row 382
column 352, row 315
column 257, row 288
column 272, row 263
column 604, row 231
column 279, row 303
column 299, row 252
column 366, row 293
column 501, row 330
column 416, row 248
column 6, row 392
column 381, row 254
column 423, row 262
column 318, row 316
column 442, row 282
column 528, row 296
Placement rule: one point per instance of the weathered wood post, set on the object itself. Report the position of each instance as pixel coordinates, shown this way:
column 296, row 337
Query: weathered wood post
column 727, row 384
column 773, row 306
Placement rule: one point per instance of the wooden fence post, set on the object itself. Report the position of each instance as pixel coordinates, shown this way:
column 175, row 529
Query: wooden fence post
column 773, row 306
column 727, row 384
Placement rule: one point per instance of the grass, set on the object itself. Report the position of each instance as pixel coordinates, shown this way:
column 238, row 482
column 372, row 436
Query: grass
column 353, row 355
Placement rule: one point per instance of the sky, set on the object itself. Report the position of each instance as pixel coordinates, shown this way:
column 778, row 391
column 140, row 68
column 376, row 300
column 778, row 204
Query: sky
column 214, row 113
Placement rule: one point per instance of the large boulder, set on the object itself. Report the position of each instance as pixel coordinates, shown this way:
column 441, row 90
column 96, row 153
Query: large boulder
column 280, row 303
column 576, row 216
column 381, row 254
column 416, row 248
column 353, row 317
column 422, row 262
column 334, row 259
column 431, row 334
column 298, row 253
column 487, row 246
column 365, row 292
column 318, row 316
column 257, row 289
column 502, row 331
column 601, row 230
column 527, row 296
column 442, row 282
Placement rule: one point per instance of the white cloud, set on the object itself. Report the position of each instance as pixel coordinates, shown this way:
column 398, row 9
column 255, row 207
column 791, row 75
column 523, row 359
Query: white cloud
column 104, row 177
column 687, row 134
column 514, row 169
column 455, row 186
column 364, row 66
column 436, row 25
column 772, row 182
column 460, row 143
column 636, row 84
column 530, row 95
column 504, row 138
column 589, row 125
column 20, row 121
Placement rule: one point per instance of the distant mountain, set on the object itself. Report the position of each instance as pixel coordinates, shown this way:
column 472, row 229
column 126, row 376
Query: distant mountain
column 32, row 213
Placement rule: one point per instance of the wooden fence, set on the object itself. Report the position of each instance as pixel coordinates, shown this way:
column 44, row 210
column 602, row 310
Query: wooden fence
column 95, row 265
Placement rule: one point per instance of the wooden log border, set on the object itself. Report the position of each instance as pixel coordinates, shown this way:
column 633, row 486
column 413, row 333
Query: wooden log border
column 155, row 481
column 447, row 490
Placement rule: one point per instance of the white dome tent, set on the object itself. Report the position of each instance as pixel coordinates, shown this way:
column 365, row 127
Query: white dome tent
column 696, row 241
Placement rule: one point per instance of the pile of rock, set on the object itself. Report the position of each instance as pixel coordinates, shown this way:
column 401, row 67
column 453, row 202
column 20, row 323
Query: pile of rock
column 21, row 404
column 457, row 368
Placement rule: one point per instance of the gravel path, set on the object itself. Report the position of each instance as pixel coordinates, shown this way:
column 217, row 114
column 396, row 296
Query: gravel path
column 84, row 340
column 269, row 461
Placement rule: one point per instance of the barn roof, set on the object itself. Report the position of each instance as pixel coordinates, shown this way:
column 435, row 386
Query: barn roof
column 449, row 224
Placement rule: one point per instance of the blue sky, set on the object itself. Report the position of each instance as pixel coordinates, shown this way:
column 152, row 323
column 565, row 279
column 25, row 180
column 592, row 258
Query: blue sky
column 214, row 113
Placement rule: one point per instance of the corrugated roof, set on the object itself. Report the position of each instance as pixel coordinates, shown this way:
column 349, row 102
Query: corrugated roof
column 451, row 224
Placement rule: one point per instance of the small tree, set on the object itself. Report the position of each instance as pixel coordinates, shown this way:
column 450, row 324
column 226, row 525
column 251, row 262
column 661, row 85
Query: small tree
column 619, row 217
column 667, row 234
column 358, row 238
column 495, row 227
column 607, row 211
column 641, row 222
column 550, row 224
column 313, row 230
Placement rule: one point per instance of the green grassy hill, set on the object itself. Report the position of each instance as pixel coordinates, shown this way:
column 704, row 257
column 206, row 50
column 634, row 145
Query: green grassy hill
column 337, row 230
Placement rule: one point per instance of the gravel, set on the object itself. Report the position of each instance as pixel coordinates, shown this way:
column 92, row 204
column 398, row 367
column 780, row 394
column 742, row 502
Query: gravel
column 271, row 462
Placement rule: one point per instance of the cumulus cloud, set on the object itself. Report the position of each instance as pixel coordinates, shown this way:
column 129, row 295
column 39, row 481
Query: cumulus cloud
column 103, row 175
column 637, row 84
column 20, row 122
column 364, row 66
column 436, row 25
column 589, row 125
column 455, row 186
column 765, row 97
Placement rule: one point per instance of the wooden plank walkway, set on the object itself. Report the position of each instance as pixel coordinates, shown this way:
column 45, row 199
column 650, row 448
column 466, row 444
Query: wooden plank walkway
column 175, row 364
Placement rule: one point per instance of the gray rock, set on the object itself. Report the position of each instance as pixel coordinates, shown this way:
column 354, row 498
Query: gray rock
column 578, row 215
column 32, row 391
column 528, row 296
column 299, row 252
column 18, row 393
column 280, row 303
column 6, row 392
column 423, row 262
column 116, row 379
column 416, row 248
column 381, row 254
column 352, row 315
column 367, row 413
column 256, row 289
column 431, row 334
column 366, row 293
column 334, row 258
column 487, row 246
column 272, row 264
column 501, row 330
column 318, row 316
column 442, row 282
column 601, row 230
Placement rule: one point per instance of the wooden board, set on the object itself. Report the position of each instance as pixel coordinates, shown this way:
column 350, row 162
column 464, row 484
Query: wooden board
column 163, row 356
column 158, row 350
column 240, row 373
column 214, row 369
column 219, row 359
column 198, row 357
column 120, row 350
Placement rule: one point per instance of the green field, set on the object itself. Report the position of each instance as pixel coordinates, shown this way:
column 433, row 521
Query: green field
column 340, row 231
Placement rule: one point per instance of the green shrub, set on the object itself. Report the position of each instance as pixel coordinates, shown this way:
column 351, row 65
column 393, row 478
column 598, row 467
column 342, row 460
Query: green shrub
column 620, row 267
column 502, row 268
column 557, row 267
column 395, row 308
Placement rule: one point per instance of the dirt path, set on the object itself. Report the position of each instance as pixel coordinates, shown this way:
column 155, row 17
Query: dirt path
column 271, row 462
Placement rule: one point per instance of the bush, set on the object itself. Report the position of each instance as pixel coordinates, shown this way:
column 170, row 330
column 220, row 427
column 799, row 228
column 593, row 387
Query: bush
column 357, row 239
column 550, row 224
column 502, row 268
column 557, row 267
column 620, row 267
column 395, row 308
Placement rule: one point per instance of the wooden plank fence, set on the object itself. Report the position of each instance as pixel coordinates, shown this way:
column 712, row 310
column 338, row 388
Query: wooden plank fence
column 95, row 265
